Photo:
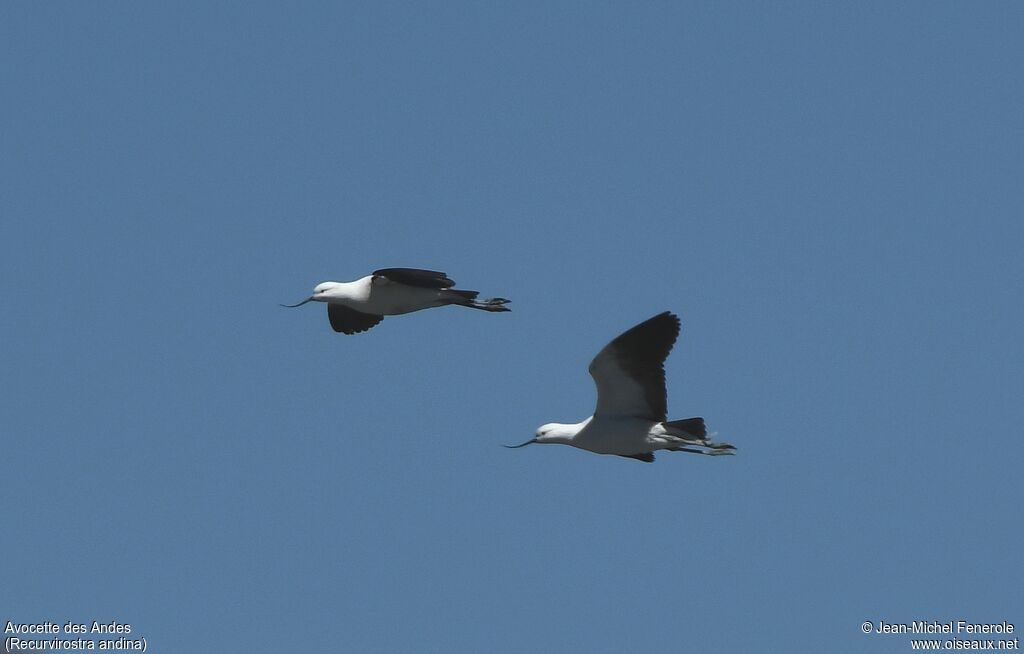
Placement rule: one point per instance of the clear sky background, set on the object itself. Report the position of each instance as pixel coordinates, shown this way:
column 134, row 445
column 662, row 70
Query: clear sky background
column 828, row 194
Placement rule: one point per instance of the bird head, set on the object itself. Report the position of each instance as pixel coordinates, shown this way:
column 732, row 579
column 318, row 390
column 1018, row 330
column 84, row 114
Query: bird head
column 323, row 290
column 553, row 432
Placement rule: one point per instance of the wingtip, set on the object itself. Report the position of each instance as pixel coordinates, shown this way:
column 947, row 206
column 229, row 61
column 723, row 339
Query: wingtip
column 670, row 316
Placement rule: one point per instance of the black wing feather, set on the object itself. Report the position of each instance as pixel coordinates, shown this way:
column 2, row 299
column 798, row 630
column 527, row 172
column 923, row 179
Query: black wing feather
column 416, row 277
column 641, row 352
column 350, row 321
column 646, row 457
column 693, row 426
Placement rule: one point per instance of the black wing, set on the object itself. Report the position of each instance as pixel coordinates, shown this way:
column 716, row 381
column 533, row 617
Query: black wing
column 646, row 457
column 630, row 371
column 692, row 426
column 415, row 277
column 350, row 321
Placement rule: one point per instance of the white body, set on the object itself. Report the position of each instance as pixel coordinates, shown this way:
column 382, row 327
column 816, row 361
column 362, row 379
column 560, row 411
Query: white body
column 380, row 296
column 621, row 435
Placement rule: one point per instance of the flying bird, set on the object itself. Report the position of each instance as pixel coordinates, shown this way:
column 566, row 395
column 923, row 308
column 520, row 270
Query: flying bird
column 631, row 415
column 354, row 307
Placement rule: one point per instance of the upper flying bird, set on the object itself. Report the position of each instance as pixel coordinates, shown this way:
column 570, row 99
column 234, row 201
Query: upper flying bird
column 354, row 307
column 630, row 418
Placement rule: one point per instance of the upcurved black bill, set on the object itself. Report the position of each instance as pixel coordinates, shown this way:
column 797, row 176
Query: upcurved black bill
column 292, row 306
column 512, row 447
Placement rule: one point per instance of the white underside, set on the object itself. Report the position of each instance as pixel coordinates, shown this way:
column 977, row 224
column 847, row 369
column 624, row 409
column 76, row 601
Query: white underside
column 624, row 435
column 384, row 298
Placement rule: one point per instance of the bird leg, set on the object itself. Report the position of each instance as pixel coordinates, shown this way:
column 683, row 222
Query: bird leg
column 706, row 447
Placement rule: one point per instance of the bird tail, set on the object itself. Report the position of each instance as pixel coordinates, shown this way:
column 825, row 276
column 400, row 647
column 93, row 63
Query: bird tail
column 469, row 299
column 692, row 436
column 687, row 428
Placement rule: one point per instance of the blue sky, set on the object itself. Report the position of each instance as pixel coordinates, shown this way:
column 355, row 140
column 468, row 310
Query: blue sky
column 829, row 196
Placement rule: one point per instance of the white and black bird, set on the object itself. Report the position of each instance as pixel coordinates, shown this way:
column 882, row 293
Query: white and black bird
column 354, row 307
column 631, row 415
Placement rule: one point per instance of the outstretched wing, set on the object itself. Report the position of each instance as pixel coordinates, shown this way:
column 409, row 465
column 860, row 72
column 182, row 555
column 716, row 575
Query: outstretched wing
column 350, row 321
column 630, row 371
column 415, row 277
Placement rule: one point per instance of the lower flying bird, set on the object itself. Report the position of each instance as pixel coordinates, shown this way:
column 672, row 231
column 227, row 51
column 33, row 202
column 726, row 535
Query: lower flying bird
column 630, row 418
column 354, row 307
